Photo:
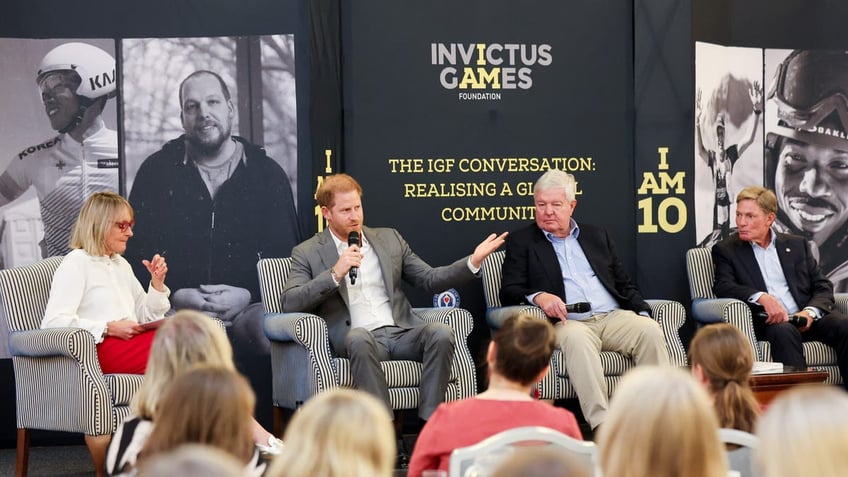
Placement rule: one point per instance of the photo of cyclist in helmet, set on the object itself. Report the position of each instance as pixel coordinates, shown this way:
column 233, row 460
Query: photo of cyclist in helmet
column 807, row 152
column 74, row 81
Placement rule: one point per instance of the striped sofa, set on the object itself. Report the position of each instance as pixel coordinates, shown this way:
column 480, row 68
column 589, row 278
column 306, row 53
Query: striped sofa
column 303, row 363
column 669, row 314
column 58, row 382
column 706, row 309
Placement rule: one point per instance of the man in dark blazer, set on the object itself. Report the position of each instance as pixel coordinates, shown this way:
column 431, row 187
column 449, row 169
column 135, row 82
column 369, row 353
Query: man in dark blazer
column 372, row 320
column 777, row 275
column 553, row 262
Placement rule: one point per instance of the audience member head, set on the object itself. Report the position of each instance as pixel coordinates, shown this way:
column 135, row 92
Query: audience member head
column 521, row 349
column 722, row 360
column 186, row 339
column 805, row 432
column 660, row 424
column 205, row 405
column 335, row 184
column 192, row 460
column 100, row 213
column 537, row 461
column 340, row 432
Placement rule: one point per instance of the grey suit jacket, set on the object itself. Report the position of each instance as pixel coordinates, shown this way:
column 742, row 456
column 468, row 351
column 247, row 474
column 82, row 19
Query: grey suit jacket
column 310, row 287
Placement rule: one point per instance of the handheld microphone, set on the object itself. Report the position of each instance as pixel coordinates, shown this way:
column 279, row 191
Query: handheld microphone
column 581, row 307
column 795, row 320
column 353, row 239
column 798, row 320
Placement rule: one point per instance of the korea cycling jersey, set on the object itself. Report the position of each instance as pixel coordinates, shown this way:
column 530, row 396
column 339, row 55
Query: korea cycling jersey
column 64, row 173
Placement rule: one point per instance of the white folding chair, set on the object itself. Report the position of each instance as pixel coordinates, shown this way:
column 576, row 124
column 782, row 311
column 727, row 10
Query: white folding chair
column 481, row 459
column 739, row 459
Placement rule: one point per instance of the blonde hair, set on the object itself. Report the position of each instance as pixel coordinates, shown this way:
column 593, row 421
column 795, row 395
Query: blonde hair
column 814, row 419
column 661, row 424
column 722, row 353
column 98, row 214
column 764, row 198
column 205, row 405
column 338, row 433
column 186, row 339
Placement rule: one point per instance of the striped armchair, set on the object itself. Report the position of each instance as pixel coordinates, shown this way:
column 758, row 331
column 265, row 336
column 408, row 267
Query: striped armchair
column 555, row 385
column 706, row 309
column 59, row 385
column 303, row 363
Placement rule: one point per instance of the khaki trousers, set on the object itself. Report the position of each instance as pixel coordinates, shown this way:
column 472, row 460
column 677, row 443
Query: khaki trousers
column 635, row 336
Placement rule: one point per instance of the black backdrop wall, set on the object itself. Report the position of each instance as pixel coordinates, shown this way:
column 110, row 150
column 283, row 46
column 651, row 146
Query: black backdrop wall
column 604, row 91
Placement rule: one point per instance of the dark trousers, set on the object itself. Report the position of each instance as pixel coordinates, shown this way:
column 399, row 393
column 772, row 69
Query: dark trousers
column 786, row 341
column 432, row 344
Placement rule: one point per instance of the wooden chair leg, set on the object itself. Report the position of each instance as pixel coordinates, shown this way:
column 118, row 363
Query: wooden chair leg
column 97, row 446
column 22, row 459
column 281, row 420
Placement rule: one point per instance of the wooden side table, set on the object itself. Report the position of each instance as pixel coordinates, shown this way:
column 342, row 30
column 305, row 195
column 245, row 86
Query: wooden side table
column 767, row 385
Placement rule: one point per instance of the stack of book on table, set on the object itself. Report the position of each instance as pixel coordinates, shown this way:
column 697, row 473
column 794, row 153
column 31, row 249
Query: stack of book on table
column 766, row 367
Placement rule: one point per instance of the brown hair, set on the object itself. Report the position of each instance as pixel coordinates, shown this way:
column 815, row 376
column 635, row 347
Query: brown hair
column 335, row 184
column 523, row 348
column 764, row 198
column 723, row 354
column 97, row 216
column 206, row 405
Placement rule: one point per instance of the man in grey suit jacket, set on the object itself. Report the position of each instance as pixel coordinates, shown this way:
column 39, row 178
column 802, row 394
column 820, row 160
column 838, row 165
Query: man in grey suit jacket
column 777, row 274
column 553, row 262
column 371, row 319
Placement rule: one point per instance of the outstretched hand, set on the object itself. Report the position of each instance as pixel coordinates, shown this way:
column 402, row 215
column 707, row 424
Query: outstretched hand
column 487, row 246
column 158, row 269
column 756, row 95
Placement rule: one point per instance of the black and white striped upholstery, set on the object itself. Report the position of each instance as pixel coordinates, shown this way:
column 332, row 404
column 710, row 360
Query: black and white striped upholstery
column 669, row 314
column 706, row 308
column 303, row 364
column 58, row 381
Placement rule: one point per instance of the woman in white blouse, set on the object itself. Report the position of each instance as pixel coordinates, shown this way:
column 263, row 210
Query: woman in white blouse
column 94, row 287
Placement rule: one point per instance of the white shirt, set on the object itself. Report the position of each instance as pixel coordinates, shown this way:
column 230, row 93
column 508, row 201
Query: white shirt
column 88, row 292
column 368, row 300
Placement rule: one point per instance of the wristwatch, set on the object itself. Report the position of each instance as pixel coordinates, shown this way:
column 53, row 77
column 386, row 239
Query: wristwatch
column 105, row 332
column 336, row 278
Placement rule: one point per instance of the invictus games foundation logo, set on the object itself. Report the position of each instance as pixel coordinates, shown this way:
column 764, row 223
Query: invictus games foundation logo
column 482, row 71
column 446, row 299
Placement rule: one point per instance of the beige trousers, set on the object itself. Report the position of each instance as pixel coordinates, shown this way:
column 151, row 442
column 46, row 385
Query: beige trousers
column 635, row 336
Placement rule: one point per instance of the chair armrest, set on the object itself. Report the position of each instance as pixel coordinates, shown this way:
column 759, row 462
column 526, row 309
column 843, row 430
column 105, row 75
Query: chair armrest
column 841, row 302
column 728, row 310
column 715, row 310
column 670, row 315
column 496, row 316
column 461, row 322
column 75, row 343
column 305, row 329
column 459, row 319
